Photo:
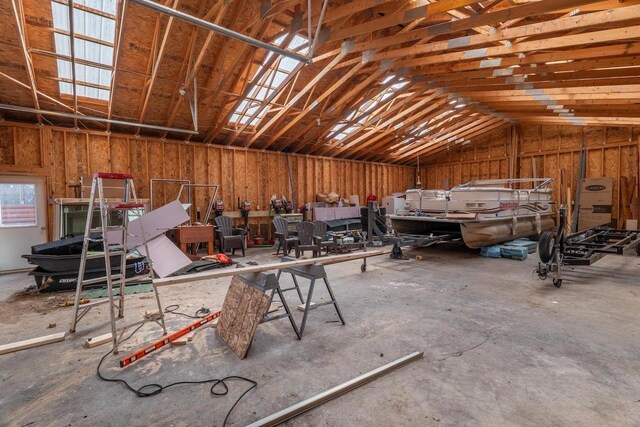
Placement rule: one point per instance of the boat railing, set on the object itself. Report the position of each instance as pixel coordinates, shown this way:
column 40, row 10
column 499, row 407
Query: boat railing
column 537, row 183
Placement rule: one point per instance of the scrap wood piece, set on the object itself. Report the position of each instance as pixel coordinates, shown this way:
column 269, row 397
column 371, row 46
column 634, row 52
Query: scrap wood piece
column 242, row 310
column 126, row 361
column 31, row 343
column 99, row 340
column 273, row 308
column 184, row 340
column 317, row 400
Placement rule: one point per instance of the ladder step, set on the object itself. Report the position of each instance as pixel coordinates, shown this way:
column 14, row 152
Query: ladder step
column 92, row 303
column 101, row 279
column 126, row 206
column 119, row 252
column 94, row 256
column 111, row 175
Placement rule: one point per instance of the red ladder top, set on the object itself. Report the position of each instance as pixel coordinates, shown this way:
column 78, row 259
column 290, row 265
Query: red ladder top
column 112, row 175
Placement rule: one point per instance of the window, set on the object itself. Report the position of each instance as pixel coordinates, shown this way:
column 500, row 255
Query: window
column 268, row 83
column 18, row 205
column 356, row 119
column 94, row 28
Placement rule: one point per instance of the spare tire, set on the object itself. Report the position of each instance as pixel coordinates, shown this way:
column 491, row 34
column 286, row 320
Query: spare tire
column 545, row 246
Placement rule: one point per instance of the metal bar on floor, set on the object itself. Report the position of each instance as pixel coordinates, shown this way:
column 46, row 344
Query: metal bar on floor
column 319, row 399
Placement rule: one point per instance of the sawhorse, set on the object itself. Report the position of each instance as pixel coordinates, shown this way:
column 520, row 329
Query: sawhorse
column 311, row 272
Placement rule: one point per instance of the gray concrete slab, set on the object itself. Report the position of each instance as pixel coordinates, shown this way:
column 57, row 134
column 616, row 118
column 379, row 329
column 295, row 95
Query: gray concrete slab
column 501, row 348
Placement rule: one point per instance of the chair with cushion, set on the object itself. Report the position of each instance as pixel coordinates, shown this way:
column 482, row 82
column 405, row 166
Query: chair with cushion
column 285, row 241
column 328, row 242
column 229, row 237
column 307, row 239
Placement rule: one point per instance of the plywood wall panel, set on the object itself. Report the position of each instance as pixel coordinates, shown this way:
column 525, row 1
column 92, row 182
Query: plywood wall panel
column 594, row 136
column 618, row 134
column 75, row 154
column 65, row 155
column 27, row 147
column 58, row 165
column 550, row 137
column 7, row 146
column 119, row 154
column 530, row 135
column 99, row 153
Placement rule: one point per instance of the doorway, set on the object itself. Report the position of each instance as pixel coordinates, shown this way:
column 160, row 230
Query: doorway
column 23, row 219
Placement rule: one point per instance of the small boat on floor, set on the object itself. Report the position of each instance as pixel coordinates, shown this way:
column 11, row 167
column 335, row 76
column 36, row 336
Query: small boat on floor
column 483, row 212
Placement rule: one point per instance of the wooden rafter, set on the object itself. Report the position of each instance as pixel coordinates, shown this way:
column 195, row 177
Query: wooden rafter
column 471, row 66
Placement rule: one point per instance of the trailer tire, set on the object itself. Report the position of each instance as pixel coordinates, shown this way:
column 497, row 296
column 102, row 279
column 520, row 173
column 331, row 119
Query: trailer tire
column 638, row 250
column 545, row 246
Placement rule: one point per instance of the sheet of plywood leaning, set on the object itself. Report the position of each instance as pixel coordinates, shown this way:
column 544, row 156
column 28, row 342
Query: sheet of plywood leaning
column 243, row 308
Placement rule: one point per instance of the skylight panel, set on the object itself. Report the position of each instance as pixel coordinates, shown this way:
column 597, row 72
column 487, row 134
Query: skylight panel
column 356, row 119
column 270, row 82
column 94, row 36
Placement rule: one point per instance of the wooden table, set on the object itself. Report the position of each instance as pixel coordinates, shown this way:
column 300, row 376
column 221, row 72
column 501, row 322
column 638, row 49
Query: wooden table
column 193, row 234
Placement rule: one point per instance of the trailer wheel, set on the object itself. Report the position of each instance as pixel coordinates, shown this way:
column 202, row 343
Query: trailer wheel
column 545, row 246
column 557, row 282
column 363, row 267
column 638, row 250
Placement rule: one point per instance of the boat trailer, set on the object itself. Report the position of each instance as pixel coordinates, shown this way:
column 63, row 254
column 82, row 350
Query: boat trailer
column 557, row 250
column 378, row 237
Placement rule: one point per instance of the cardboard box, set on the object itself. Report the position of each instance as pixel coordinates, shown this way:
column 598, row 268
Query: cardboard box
column 596, row 198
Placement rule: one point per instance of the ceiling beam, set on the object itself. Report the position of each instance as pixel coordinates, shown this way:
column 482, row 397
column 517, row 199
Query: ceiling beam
column 18, row 14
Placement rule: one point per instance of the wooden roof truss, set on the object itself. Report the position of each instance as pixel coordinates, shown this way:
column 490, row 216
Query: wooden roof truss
column 391, row 80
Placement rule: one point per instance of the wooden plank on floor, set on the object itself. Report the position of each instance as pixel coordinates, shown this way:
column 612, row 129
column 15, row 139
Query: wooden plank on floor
column 99, row 340
column 31, row 343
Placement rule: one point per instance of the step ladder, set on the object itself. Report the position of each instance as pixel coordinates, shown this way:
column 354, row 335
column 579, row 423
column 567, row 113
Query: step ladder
column 114, row 239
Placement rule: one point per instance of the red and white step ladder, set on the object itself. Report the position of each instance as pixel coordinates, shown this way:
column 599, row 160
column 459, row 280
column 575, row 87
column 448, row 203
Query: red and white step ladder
column 113, row 247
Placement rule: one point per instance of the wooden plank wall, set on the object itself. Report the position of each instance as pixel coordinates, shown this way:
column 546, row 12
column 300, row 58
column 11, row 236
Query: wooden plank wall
column 611, row 152
column 63, row 155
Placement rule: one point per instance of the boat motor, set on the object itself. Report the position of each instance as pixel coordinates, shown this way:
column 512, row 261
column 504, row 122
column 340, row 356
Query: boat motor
column 277, row 205
column 288, row 206
column 219, row 207
column 245, row 208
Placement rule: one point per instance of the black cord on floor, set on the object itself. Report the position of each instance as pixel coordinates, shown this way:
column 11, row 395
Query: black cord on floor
column 153, row 389
column 202, row 312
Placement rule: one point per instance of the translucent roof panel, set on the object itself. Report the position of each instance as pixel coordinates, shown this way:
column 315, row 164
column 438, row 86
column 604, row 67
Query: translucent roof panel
column 356, row 118
column 106, row 6
column 94, row 36
column 268, row 83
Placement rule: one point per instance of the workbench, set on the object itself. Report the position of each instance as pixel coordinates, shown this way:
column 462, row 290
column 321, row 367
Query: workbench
column 190, row 235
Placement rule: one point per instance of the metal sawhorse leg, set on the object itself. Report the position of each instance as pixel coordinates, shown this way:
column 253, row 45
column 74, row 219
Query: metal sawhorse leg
column 265, row 282
column 312, row 272
column 295, row 286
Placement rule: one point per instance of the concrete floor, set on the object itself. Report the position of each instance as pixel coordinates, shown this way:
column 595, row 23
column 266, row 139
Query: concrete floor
column 500, row 348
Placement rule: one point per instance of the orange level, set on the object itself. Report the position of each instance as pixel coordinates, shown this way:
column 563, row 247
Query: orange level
column 166, row 340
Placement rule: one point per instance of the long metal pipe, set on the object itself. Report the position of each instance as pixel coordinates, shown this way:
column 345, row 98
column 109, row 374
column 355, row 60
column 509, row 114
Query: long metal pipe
column 317, row 400
column 72, row 51
column 166, row 10
column 20, row 109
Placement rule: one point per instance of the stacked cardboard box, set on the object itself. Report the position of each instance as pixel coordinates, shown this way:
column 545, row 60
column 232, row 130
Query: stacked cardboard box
column 595, row 202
